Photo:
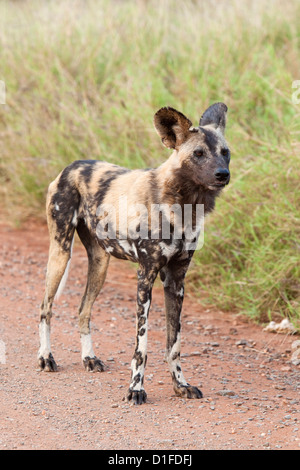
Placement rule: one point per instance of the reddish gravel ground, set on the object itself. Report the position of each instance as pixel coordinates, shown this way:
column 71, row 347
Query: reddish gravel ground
column 251, row 389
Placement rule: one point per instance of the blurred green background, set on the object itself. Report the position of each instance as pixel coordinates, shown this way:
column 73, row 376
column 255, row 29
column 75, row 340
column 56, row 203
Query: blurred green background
column 84, row 79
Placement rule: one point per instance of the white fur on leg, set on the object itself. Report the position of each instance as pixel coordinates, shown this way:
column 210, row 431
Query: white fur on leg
column 174, row 364
column 44, row 331
column 86, row 346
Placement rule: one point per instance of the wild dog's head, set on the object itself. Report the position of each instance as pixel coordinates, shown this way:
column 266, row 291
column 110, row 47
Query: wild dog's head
column 202, row 153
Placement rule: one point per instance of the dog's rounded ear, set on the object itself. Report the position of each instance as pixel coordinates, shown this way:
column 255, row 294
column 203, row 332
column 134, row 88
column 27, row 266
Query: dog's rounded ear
column 172, row 127
column 215, row 116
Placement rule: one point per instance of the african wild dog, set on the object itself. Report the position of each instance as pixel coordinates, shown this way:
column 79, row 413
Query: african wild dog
column 194, row 174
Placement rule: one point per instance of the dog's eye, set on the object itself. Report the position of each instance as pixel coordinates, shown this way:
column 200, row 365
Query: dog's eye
column 225, row 152
column 198, row 153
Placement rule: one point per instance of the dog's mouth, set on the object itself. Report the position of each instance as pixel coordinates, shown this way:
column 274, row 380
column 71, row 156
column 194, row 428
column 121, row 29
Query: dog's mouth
column 216, row 186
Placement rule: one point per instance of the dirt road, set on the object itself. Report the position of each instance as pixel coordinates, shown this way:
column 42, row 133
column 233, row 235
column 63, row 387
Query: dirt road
column 251, row 390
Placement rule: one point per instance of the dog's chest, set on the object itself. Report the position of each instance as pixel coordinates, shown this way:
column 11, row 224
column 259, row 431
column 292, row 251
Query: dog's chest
column 141, row 250
column 147, row 251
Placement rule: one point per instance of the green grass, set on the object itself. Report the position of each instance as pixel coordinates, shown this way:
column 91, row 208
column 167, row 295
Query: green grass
column 84, row 79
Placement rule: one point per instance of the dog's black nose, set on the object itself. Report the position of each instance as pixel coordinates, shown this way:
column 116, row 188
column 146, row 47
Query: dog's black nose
column 222, row 174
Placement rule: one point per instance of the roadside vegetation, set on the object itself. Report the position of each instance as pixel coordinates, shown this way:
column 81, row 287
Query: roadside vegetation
column 84, row 79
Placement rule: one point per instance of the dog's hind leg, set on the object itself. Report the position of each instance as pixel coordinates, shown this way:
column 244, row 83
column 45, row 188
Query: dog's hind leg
column 62, row 204
column 98, row 261
column 57, row 264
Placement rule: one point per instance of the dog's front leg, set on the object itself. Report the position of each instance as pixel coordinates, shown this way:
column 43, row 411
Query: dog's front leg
column 136, row 392
column 173, row 276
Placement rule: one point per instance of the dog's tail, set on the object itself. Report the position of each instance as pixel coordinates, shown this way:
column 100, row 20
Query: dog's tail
column 63, row 281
